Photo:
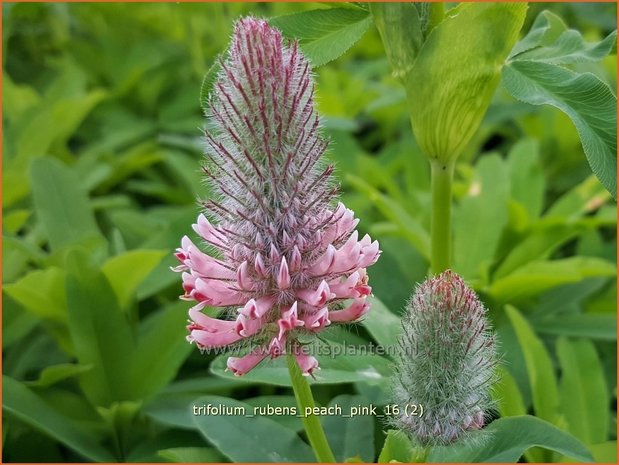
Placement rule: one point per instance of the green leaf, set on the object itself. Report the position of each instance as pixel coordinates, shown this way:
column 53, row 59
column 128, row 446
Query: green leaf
column 510, row 438
column 583, row 391
column 541, row 373
column 56, row 373
column 126, row 272
column 546, row 28
column 588, row 102
column 526, row 176
column 249, row 438
column 335, row 369
column 605, row 452
column 544, row 238
column 350, row 436
column 190, row 455
column 410, row 227
column 584, row 198
column 208, row 82
column 589, row 325
column 161, row 350
column 60, row 204
column 324, row 35
column 549, row 41
column 507, row 395
column 397, row 448
column 382, row 324
column 480, row 218
column 41, row 293
column 24, row 404
column 289, row 421
column 100, row 332
column 538, row 276
column 456, row 74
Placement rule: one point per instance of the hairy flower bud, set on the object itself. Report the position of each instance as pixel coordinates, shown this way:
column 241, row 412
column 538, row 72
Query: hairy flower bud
column 282, row 260
column 446, row 362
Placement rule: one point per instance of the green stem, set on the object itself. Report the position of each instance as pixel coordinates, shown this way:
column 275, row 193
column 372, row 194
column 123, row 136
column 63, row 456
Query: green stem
column 312, row 425
column 442, row 180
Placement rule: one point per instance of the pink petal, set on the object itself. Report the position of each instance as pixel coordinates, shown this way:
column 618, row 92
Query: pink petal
column 355, row 311
column 243, row 279
column 205, row 322
column 370, row 255
column 317, row 320
column 318, row 297
column 246, row 326
column 259, row 265
column 216, row 339
column 217, row 293
column 257, row 308
column 242, row 365
column 322, row 265
column 209, row 233
column 283, row 277
column 307, row 363
column 289, row 320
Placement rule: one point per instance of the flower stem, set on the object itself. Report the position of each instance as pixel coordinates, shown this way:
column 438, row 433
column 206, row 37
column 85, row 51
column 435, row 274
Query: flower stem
column 313, row 428
column 442, row 180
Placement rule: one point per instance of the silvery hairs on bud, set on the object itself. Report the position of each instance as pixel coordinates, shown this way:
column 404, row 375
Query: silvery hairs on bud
column 446, row 363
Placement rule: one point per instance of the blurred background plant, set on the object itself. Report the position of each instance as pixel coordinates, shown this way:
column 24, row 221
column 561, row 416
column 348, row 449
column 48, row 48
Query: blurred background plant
column 101, row 156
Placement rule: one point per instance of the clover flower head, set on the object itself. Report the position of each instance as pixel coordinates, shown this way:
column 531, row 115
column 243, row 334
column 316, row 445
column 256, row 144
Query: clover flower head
column 281, row 259
column 446, row 362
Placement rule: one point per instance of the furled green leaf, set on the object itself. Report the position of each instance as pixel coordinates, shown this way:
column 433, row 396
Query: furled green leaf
column 397, row 448
column 480, row 218
column 350, row 436
column 539, row 368
column 324, row 35
column 100, row 332
column 583, row 391
column 20, row 401
column 456, row 73
column 509, row 438
column 249, row 438
column 61, row 206
column 538, row 276
column 383, row 325
column 125, row 272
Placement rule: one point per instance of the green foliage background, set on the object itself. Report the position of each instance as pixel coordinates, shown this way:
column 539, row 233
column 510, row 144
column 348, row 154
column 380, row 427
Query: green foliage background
column 101, row 155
